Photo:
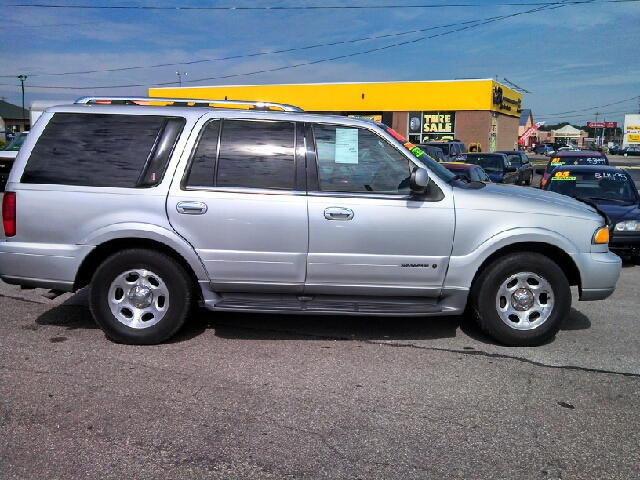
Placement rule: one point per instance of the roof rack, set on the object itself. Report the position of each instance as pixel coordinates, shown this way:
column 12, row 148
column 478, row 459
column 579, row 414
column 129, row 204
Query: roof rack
column 188, row 102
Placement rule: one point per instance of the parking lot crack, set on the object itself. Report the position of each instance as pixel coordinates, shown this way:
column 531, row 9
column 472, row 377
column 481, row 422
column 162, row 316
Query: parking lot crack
column 504, row 356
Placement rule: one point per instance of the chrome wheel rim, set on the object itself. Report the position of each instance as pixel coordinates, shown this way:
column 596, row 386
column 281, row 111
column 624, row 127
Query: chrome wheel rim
column 138, row 298
column 525, row 301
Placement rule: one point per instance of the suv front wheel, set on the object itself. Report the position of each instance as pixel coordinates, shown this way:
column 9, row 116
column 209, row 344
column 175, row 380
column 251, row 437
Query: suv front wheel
column 140, row 296
column 521, row 299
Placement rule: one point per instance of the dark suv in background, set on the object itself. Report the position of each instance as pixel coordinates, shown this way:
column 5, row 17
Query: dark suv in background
column 452, row 150
column 522, row 163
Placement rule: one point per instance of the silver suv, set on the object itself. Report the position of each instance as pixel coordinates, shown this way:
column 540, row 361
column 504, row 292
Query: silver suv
column 158, row 205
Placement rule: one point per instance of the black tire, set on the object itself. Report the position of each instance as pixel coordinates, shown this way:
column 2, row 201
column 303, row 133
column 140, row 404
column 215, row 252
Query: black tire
column 140, row 297
column 541, row 309
column 528, row 182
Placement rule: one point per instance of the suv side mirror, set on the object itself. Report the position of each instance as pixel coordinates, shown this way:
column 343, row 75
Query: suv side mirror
column 419, row 181
column 511, row 168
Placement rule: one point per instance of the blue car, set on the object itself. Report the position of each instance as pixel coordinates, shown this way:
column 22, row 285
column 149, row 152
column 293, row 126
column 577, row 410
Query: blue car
column 497, row 166
column 613, row 192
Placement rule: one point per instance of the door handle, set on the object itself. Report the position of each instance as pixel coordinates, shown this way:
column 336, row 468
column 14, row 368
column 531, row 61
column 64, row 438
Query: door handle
column 191, row 208
column 338, row 213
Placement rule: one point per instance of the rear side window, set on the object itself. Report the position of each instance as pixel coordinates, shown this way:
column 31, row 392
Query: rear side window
column 101, row 150
column 246, row 154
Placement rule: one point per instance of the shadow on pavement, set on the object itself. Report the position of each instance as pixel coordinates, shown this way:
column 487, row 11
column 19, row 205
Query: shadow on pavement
column 74, row 313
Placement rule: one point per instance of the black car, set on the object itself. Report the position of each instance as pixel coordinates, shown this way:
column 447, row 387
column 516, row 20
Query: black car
column 497, row 167
column 452, row 150
column 612, row 191
column 433, row 152
column 630, row 151
column 522, row 163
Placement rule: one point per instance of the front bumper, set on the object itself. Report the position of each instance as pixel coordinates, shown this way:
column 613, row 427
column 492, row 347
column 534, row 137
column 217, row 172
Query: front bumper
column 599, row 273
column 625, row 243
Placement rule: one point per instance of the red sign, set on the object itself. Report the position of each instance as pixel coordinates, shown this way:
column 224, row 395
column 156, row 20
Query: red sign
column 602, row 124
column 529, row 131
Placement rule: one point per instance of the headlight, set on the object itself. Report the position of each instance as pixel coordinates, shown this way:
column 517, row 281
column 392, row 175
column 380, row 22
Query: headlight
column 628, row 226
column 601, row 235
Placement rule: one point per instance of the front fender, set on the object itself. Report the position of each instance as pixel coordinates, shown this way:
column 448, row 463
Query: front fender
column 463, row 268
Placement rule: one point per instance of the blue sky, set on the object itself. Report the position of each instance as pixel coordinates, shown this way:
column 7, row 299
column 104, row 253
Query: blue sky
column 575, row 57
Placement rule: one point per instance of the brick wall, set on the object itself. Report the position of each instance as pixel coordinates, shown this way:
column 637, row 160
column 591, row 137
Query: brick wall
column 507, row 132
column 473, row 126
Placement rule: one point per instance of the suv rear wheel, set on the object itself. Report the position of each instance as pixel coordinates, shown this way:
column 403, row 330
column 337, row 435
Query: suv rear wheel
column 521, row 299
column 140, row 296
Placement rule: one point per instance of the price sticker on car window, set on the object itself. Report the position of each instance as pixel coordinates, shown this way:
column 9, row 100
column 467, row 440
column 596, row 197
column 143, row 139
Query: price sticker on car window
column 563, row 176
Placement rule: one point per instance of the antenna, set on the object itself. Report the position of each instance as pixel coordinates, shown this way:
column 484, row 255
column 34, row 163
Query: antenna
column 520, row 89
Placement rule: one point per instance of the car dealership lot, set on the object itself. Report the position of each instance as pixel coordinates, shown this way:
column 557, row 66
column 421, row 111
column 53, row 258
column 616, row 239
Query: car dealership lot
column 269, row 396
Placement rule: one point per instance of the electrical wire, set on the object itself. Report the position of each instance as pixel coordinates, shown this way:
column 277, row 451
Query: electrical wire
column 467, row 25
column 297, row 7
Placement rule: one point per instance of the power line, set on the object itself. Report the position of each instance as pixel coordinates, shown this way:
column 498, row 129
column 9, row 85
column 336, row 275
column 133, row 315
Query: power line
column 467, row 25
column 308, row 7
column 251, row 55
column 591, row 108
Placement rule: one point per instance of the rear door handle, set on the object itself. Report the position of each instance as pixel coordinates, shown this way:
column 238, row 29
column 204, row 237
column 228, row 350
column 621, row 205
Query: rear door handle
column 338, row 213
column 191, row 208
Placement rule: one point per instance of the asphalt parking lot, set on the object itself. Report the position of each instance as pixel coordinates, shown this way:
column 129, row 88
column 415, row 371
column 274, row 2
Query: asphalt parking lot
column 272, row 396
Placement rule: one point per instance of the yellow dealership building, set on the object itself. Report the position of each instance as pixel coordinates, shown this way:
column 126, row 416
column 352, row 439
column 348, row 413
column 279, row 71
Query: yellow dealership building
column 473, row 111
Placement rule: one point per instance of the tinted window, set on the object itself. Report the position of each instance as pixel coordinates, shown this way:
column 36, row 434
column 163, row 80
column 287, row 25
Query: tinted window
column 203, row 165
column 252, row 154
column 613, row 186
column 99, row 150
column 489, row 163
column 357, row 160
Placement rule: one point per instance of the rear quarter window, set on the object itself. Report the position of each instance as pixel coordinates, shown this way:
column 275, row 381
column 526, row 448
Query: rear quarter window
column 102, row 150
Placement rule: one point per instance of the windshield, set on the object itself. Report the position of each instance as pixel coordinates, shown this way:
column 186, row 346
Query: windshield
column 556, row 162
column 16, row 143
column 613, row 186
column 514, row 158
column 490, row 163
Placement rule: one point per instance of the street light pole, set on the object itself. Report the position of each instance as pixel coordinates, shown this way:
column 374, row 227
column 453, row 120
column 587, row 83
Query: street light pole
column 22, row 78
column 180, row 78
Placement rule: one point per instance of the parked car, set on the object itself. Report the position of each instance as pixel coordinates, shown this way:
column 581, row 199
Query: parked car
column 633, row 151
column 497, row 166
column 433, row 152
column 7, row 156
column 568, row 148
column 614, row 192
column 614, row 150
column 520, row 160
column 452, row 150
column 544, row 149
column 474, row 173
column 266, row 208
column 570, row 158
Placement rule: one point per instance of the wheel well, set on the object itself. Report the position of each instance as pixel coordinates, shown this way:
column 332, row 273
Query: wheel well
column 557, row 255
column 101, row 252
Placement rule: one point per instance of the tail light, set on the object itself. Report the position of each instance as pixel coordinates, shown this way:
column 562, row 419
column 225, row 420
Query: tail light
column 9, row 213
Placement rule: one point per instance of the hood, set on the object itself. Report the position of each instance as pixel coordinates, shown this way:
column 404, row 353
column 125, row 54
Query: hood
column 618, row 212
column 515, row 199
column 495, row 176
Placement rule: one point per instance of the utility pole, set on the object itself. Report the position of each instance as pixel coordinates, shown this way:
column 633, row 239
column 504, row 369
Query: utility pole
column 22, row 78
